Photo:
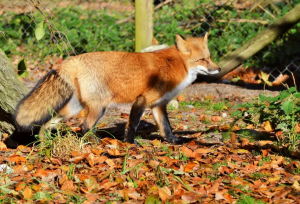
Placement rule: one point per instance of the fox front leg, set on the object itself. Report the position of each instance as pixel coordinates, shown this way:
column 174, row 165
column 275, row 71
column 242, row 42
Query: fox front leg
column 161, row 118
column 136, row 113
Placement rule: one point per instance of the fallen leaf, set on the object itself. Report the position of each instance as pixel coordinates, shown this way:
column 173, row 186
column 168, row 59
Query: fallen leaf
column 17, row 158
column 164, row 193
column 124, row 115
column 265, row 152
column 233, row 138
column 27, row 192
column 189, row 167
column 21, row 185
column 180, row 98
column 187, row 152
column 216, row 118
column 2, row 146
column 273, row 179
column 267, row 126
column 156, row 143
column 68, row 186
column 296, row 186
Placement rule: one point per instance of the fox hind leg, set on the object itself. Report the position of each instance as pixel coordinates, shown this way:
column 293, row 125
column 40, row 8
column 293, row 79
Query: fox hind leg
column 136, row 113
column 161, row 118
column 95, row 112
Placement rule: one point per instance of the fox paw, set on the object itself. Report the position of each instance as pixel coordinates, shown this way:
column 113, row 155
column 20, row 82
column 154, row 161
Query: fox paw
column 174, row 140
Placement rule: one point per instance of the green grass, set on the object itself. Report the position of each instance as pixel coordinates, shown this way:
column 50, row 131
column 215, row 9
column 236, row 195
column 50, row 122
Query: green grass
column 246, row 199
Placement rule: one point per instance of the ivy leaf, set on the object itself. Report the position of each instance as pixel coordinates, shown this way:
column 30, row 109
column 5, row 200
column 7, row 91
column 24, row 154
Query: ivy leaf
column 39, row 31
column 287, row 107
column 263, row 97
column 297, row 95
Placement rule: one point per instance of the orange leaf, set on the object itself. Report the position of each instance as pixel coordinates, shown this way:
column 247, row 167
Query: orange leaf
column 27, row 192
column 187, row 152
column 245, row 141
column 21, row 185
column 267, row 126
column 235, row 128
column 251, row 127
column 156, row 143
column 17, row 158
column 216, row 118
column 297, row 128
column 76, row 129
column 40, row 172
column 79, row 158
column 194, row 110
column 228, row 197
column 97, row 151
column 189, row 167
column 124, row 115
column 265, row 152
column 90, row 159
column 68, row 186
column 180, row 98
column 225, row 127
column 2, row 146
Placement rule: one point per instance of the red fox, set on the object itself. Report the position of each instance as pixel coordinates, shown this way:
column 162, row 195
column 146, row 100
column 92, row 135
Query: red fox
column 92, row 81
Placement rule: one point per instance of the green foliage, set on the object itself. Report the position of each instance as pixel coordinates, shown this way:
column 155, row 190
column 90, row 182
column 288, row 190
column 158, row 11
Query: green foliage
column 89, row 30
column 246, row 199
column 282, row 111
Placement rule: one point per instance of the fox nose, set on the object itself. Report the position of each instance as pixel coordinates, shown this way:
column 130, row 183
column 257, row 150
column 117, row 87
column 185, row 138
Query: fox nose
column 219, row 69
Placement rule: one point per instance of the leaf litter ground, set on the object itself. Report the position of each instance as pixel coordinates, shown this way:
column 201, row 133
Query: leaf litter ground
column 218, row 163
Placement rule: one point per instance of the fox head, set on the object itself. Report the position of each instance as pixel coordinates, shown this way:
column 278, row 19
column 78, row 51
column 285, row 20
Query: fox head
column 196, row 56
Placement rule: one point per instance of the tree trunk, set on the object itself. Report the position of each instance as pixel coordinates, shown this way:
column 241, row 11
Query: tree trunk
column 11, row 91
column 143, row 24
column 255, row 44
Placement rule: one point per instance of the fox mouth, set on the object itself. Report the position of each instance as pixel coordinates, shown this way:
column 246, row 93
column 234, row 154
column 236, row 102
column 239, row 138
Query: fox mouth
column 204, row 71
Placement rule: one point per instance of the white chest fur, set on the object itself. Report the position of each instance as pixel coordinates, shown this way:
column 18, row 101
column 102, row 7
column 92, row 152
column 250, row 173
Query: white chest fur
column 191, row 76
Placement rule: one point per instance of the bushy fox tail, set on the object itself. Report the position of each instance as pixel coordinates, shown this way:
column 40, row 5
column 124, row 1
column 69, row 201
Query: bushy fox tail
column 50, row 94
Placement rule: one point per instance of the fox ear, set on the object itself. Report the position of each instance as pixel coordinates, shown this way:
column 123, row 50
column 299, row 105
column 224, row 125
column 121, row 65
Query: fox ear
column 206, row 36
column 182, row 45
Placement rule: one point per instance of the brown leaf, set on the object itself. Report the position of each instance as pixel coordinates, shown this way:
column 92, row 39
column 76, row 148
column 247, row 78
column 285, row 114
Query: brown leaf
column 245, row 141
column 225, row 127
column 164, row 193
column 68, row 186
column 215, row 186
column 78, row 158
column 189, row 167
column 280, row 79
column 228, row 197
column 189, row 196
column 187, row 152
column 97, row 151
column 113, row 152
column 233, row 138
column 27, row 192
column 216, row 118
column 90, row 159
column 203, row 151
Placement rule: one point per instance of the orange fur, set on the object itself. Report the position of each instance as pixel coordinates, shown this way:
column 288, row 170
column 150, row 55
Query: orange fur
column 94, row 80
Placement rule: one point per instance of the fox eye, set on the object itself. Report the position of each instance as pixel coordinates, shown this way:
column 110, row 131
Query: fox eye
column 202, row 59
